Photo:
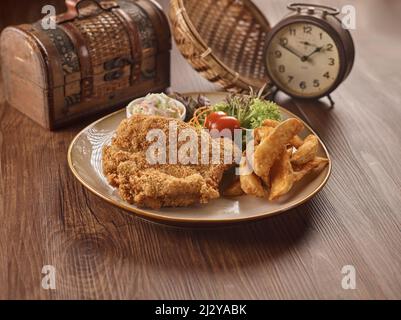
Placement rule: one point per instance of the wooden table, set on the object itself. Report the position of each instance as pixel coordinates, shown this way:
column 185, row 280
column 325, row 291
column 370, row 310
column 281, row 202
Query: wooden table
column 48, row 218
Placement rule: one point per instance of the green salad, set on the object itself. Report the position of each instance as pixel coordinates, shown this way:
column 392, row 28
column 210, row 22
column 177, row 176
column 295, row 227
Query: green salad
column 250, row 110
column 250, row 114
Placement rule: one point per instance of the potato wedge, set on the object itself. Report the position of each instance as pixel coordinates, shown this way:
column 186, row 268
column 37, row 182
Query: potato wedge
column 252, row 185
column 282, row 176
column 261, row 133
column 271, row 147
column 295, row 142
column 307, row 151
column 315, row 166
column 270, row 123
column 250, row 182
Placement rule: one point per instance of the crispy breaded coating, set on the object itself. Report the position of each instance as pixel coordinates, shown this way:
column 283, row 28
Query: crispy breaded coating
column 126, row 166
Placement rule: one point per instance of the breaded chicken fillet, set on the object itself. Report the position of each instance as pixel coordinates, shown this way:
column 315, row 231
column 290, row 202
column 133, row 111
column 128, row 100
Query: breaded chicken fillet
column 173, row 184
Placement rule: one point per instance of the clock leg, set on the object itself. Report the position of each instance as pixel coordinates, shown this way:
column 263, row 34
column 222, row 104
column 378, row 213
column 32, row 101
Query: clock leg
column 273, row 94
column 332, row 103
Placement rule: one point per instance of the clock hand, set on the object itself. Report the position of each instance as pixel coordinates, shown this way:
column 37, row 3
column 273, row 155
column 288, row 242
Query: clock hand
column 306, row 43
column 318, row 49
column 291, row 50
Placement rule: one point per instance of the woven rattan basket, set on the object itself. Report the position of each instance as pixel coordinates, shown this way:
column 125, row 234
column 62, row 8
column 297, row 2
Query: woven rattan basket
column 223, row 40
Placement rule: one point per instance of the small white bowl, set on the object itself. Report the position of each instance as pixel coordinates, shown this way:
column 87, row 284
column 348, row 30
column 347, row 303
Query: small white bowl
column 138, row 101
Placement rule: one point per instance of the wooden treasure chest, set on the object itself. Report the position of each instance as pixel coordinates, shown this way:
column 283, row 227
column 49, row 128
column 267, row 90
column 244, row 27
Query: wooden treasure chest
column 98, row 56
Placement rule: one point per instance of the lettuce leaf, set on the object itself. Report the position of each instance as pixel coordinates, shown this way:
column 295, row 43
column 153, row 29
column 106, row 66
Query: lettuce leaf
column 250, row 111
column 261, row 110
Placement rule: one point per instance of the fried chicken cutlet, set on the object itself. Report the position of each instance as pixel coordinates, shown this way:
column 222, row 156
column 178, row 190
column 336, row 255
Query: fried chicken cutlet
column 172, row 184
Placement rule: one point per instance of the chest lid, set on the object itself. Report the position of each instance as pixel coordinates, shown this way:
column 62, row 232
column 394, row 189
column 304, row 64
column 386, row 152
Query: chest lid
column 93, row 43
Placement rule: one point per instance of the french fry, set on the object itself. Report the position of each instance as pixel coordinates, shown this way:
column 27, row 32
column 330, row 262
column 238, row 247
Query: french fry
column 282, row 176
column 271, row 147
column 314, row 166
column 307, row 151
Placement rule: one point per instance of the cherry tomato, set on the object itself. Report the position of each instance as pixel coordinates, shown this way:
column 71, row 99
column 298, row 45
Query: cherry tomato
column 212, row 118
column 225, row 122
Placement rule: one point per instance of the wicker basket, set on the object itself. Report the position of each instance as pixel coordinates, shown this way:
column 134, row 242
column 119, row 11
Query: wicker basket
column 223, row 40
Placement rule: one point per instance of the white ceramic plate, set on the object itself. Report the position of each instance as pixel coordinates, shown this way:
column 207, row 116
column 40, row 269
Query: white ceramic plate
column 85, row 161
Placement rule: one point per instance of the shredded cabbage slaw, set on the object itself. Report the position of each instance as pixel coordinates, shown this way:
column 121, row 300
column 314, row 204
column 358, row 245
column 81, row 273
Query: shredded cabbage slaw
column 158, row 104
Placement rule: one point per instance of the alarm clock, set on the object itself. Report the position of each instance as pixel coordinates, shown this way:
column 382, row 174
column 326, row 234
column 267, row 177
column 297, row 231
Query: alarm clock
column 309, row 53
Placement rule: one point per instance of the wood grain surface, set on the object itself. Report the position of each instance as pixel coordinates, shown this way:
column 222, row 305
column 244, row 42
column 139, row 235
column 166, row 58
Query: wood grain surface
column 100, row 252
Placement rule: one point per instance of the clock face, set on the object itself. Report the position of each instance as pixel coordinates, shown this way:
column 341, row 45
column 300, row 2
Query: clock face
column 303, row 60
